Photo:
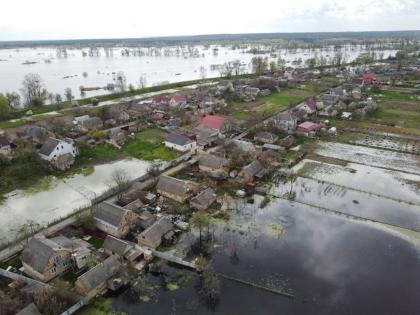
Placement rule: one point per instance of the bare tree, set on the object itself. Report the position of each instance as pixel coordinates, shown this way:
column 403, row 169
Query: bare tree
column 153, row 171
column 58, row 98
column 203, row 72
column 33, row 87
column 68, row 94
column 119, row 182
column 121, row 81
column 142, row 82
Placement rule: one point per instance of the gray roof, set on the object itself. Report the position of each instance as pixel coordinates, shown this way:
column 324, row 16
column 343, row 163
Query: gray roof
column 287, row 115
column 134, row 205
column 178, row 139
column 4, row 142
column 206, row 197
column 254, row 168
column 155, row 232
column 91, row 123
column 100, row 273
column 49, row 146
column 110, row 213
column 116, row 245
column 267, row 135
column 70, row 244
column 31, row 309
column 213, row 161
column 172, row 185
column 36, row 132
column 38, row 252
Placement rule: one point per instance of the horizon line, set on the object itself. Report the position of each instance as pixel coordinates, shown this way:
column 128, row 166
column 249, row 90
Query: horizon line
column 203, row 35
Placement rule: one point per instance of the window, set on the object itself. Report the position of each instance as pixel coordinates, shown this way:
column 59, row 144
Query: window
column 62, row 147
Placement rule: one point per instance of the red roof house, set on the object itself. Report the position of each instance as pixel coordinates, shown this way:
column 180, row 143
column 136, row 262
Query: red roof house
column 307, row 127
column 369, row 78
column 159, row 99
column 177, row 100
column 216, row 122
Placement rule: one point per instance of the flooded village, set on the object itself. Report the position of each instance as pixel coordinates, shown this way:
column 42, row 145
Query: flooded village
column 285, row 190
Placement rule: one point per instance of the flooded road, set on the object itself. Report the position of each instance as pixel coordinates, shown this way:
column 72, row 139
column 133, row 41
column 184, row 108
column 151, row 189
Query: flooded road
column 331, row 264
column 58, row 198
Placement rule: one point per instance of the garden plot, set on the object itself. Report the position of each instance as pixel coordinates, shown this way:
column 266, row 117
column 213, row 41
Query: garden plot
column 368, row 156
column 391, row 184
column 390, row 143
column 348, row 201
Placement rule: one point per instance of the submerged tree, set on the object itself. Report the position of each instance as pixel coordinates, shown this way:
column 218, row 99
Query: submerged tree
column 68, row 94
column 200, row 220
column 209, row 284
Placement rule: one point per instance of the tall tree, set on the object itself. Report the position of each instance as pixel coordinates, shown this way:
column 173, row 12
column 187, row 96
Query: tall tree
column 119, row 182
column 68, row 94
column 200, row 220
column 13, row 99
column 5, row 108
column 121, row 80
column 33, row 88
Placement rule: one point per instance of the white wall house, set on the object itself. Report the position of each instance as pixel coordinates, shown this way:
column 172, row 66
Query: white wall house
column 53, row 148
column 180, row 143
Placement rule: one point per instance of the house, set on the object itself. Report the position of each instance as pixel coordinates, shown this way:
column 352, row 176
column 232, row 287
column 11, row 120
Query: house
column 97, row 281
column 160, row 100
column 180, row 142
column 356, row 93
column 307, row 129
column 36, row 133
column 155, row 234
column 252, row 91
column 288, row 142
column 113, row 219
column 285, row 121
column 31, row 309
column 203, row 200
column 214, row 165
column 265, row 92
column 219, row 123
column 205, row 136
column 251, row 171
column 5, row 146
column 177, row 101
column 86, row 123
column 117, row 136
column 53, row 148
column 273, row 147
column 369, row 78
column 309, row 106
column 44, row 259
column 224, row 85
column 121, row 248
column 64, row 161
column 347, row 115
column 266, row 137
column 174, row 188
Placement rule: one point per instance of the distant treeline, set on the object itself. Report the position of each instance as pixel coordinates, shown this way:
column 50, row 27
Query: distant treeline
column 220, row 38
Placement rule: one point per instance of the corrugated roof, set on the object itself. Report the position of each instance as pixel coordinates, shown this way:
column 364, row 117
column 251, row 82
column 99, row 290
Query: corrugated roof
column 38, row 253
column 31, row 309
column 100, row 273
column 206, row 197
column 172, row 185
column 110, row 213
column 212, row 161
column 116, row 245
column 155, row 233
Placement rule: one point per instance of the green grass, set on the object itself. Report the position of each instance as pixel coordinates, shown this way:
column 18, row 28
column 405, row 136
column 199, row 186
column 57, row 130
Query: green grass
column 100, row 306
column 12, row 124
column 243, row 115
column 96, row 242
column 13, row 261
column 148, row 145
column 101, row 153
column 398, row 96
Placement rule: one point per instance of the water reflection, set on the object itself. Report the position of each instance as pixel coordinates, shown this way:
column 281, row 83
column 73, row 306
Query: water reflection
column 331, row 264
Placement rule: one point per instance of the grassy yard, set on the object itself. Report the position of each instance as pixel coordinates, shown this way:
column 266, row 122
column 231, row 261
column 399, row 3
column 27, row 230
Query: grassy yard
column 96, row 242
column 267, row 106
column 100, row 306
column 148, row 145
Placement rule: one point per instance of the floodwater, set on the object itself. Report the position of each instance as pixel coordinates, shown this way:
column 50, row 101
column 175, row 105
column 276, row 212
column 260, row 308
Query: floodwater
column 374, row 157
column 331, row 264
column 61, row 197
column 348, row 201
column 365, row 178
column 60, row 73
